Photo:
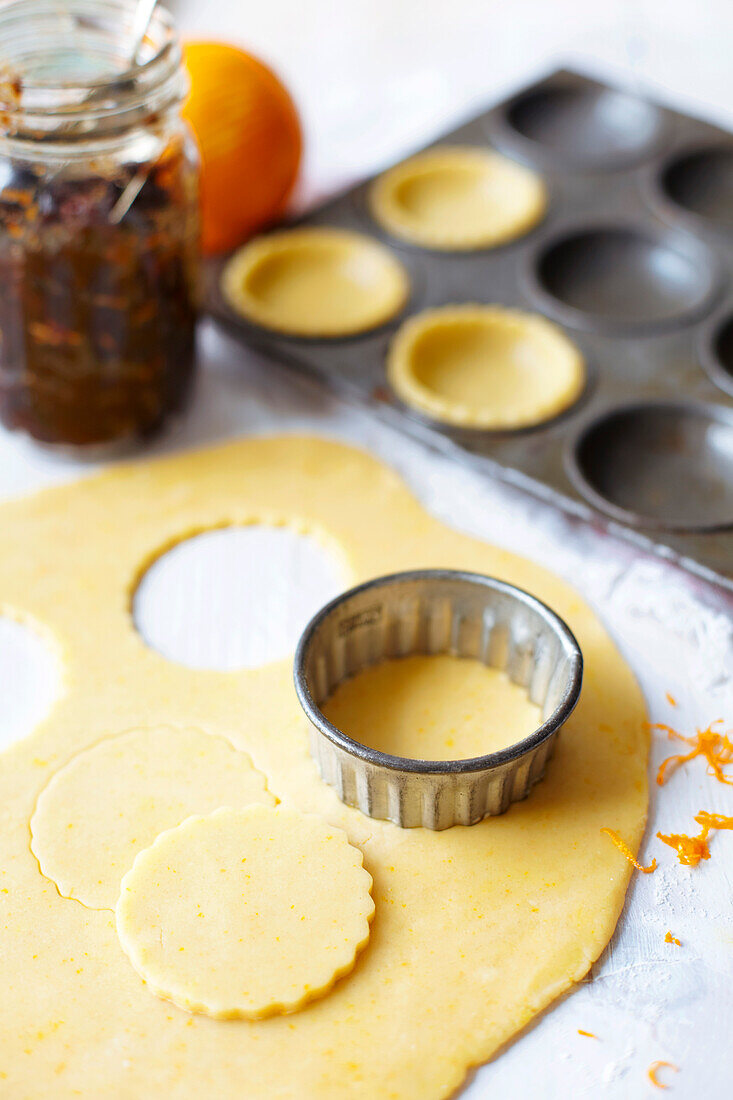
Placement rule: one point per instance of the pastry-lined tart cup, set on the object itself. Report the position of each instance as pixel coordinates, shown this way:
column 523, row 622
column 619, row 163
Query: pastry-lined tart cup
column 315, row 282
column 525, row 369
column 458, row 198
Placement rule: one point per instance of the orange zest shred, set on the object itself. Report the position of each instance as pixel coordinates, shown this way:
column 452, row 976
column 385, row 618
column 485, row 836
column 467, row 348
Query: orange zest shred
column 716, row 747
column 588, row 1034
column 626, row 851
column 669, row 938
column 691, row 849
column 671, row 699
column 654, row 1069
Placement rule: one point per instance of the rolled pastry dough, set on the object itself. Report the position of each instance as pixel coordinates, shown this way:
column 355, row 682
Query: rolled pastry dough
column 475, row 930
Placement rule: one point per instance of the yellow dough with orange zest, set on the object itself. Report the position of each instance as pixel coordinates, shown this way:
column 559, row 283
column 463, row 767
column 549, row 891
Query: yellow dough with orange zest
column 485, row 366
column 458, row 198
column 245, row 913
column 113, row 799
column 476, row 930
column 316, row 282
column 400, row 705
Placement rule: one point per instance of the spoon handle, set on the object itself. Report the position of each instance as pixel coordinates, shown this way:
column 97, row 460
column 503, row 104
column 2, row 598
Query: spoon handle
column 143, row 15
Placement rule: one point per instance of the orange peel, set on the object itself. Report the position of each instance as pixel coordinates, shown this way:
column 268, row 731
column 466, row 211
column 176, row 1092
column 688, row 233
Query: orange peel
column 249, row 138
column 626, row 851
column 692, row 849
column 716, row 747
column 654, row 1069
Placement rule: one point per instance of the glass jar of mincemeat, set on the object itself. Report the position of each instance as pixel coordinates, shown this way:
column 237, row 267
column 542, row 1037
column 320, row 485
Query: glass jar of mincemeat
column 99, row 233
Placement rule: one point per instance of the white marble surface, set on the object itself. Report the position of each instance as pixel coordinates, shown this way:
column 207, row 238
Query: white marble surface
column 351, row 65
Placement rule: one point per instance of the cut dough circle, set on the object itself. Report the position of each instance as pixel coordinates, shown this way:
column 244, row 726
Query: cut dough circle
column 485, row 366
column 458, row 198
column 437, row 707
column 112, row 800
column 245, row 913
column 316, row 281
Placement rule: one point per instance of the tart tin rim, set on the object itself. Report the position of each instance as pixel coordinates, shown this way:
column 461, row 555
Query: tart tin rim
column 380, row 190
column 490, row 761
column 662, row 235
column 420, row 400
column 258, row 246
column 638, row 520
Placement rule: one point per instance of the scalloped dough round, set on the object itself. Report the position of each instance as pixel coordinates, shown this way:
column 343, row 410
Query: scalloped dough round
column 245, row 913
column 316, row 282
column 484, row 366
column 458, row 198
column 113, row 799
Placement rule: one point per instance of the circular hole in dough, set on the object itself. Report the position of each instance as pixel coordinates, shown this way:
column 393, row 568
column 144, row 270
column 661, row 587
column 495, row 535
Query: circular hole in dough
column 30, row 679
column 458, row 198
column 245, row 913
column 234, row 598
column 316, row 282
column 486, row 367
column 113, row 799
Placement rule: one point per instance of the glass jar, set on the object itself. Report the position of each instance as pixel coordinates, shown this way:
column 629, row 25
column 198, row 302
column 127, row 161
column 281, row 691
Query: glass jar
column 98, row 224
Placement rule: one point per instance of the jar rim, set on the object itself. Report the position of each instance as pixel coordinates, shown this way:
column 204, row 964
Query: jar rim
column 67, row 67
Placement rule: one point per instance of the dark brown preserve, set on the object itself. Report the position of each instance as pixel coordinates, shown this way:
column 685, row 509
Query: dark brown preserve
column 97, row 298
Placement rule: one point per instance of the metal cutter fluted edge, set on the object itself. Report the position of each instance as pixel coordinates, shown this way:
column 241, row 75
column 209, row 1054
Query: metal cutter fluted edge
column 433, row 611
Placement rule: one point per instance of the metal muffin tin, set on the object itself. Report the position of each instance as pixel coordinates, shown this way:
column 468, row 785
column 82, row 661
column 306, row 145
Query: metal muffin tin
column 634, row 261
column 435, row 611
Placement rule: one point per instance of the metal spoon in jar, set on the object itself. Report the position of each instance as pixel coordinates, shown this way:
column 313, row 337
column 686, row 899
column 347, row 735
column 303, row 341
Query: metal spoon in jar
column 141, row 22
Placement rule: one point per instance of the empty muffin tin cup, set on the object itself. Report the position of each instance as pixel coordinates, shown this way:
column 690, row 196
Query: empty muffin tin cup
column 585, row 125
column 434, row 611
